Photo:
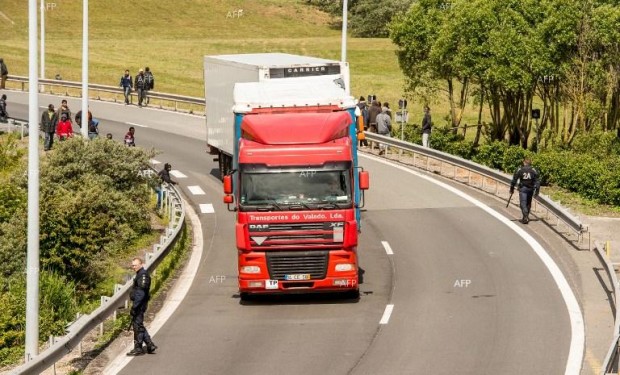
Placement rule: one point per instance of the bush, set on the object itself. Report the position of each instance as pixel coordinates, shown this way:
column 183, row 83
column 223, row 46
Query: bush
column 57, row 308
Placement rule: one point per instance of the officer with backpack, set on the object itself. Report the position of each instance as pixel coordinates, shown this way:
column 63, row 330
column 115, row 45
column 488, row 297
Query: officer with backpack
column 529, row 186
column 150, row 83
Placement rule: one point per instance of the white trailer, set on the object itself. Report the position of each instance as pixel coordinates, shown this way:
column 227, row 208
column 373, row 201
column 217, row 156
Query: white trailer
column 222, row 72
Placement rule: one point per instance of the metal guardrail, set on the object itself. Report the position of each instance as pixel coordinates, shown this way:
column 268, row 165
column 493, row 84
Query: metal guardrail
column 610, row 363
column 173, row 102
column 428, row 158
column 174, row 207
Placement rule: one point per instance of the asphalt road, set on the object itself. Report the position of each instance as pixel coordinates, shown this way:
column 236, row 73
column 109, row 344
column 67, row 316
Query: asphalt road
column 468, row 295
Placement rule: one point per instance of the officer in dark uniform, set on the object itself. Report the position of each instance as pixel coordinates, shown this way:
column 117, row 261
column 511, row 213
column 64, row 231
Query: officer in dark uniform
column 529, row 186
column 140, row 297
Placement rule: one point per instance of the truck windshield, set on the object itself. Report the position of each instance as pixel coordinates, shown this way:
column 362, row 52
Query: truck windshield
column 325, row 187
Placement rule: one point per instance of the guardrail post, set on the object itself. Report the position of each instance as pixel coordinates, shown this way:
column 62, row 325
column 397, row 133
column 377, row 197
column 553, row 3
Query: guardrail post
column 51, row 343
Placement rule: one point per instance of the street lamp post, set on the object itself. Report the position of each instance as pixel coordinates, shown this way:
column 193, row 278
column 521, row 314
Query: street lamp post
column 85, row 119
column 32, row 264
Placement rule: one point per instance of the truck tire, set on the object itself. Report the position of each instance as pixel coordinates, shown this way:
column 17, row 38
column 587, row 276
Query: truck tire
column 220, row 162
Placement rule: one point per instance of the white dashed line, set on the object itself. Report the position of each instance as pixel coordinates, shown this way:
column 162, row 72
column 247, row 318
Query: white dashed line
column 386, row 314
column 155, row 162
column 177, row 174
column 196, row 190
column 206, row 208
column 134, row 124
column 387, row 247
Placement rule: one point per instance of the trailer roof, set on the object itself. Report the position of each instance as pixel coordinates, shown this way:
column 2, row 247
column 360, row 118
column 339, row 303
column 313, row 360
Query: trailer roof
column 291, row 92
column 272, row 59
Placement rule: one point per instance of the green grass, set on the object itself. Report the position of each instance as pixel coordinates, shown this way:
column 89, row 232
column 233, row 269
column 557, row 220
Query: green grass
column 172, row 38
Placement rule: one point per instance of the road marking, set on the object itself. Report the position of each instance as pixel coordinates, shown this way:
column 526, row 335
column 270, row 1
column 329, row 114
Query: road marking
column 155, row 162
column 594, row 363
column 196, row 190
column 387, row 247
column 177, row 174
column 577, row 345
column 138, row 125
column 386, row 314
column 206, row 208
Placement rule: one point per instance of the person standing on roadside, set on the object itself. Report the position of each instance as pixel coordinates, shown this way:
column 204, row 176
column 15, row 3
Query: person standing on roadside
column 4, row 73
column 529, row 186
column 426, row 126
column 164, row 176
column 4, row 115
column 64, row 110
column 140, row 295
column 49, row 120
column 64, row 129
column 126, row 84
column 362, row 122
column 384, row 127
column 150, row 83
column 140, row 86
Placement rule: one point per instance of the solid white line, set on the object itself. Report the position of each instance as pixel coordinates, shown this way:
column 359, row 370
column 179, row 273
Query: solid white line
column 176, row 295
column 207, row 208
column 155, row 162
column 577, row 345
column 196, row 190
column 386, row 314
column 138, row 125
column 177, row 174
column 387, row 247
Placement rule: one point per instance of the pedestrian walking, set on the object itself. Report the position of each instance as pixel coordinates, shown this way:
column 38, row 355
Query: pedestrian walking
column 384, row 127
column 4, row 73
column 49, row 120
column 150, row 84
column 140, row 86
column 140, row 295
column 126, row 84
column 130, row 138
column 529, row 186
column 4, row 115
column 427, row 125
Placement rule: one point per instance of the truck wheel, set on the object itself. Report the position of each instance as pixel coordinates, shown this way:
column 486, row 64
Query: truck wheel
column 245, row 297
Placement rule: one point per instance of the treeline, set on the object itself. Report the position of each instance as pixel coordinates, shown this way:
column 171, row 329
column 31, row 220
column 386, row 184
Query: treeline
column 94, row 205
column 511, row 56
column 508, row 57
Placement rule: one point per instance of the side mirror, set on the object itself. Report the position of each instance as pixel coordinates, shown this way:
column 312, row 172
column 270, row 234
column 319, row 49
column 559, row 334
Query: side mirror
column 228, row 198
column 227, row 185
column 364, row 179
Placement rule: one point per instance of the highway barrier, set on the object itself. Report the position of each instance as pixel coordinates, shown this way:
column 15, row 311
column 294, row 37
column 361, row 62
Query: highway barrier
column 172, row 206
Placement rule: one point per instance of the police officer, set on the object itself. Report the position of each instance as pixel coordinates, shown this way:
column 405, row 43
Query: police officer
column 529, row 186
column 140, row 297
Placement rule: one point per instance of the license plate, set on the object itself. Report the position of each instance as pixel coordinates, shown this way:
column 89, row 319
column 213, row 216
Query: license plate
column 271, row 284
column 298, row 276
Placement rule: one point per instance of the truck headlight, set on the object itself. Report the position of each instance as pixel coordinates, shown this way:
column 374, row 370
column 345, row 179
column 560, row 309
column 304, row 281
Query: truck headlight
column 250, row 269
column 342, row 267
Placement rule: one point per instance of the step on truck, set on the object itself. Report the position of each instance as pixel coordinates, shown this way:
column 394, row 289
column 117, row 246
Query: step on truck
column 293, row 178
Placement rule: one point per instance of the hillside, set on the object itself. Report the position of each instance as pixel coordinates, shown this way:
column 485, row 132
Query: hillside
column 172, row 37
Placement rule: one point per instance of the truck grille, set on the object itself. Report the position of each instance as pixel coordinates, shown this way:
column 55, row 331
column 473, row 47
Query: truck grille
column 313, row 263
column 296, row 235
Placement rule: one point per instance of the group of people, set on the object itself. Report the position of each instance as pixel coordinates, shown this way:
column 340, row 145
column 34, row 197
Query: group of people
column 143, row 83
column 377, row 118
column 59, row 123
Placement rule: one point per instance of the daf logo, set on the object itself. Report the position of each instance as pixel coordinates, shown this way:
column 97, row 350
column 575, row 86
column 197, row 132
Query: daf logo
column 259, row 226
